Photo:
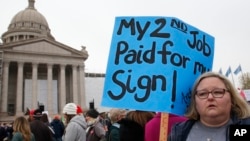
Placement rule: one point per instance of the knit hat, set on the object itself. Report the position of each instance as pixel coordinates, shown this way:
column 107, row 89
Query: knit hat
column 70, row 109
column 79, row 110
column 92, row 113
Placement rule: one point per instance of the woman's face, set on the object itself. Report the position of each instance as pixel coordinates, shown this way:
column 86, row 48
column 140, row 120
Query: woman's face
column 212, row 107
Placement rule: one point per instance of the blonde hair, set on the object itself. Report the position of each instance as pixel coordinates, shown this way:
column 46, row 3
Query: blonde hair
column 116, row 114
column 239, row 105
column 22, row 125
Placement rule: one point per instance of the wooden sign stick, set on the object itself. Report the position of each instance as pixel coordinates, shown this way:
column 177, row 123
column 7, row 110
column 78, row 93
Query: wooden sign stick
column 164, row 127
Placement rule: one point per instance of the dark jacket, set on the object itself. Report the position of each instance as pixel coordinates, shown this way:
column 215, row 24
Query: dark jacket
column 41, row 131
column 3, row 133
column 180, row 131
column 58, row 128
column 131, row 130
column 114, row 132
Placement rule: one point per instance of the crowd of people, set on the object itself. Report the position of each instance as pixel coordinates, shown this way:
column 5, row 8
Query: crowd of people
column 215, row 105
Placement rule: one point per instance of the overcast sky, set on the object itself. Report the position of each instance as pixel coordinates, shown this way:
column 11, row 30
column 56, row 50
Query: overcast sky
column 90, row 23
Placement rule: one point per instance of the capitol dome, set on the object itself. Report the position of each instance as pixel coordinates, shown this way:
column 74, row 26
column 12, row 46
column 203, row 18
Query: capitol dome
column 27, row 24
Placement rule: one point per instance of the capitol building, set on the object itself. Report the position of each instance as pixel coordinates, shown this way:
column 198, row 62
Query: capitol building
column 36, row 69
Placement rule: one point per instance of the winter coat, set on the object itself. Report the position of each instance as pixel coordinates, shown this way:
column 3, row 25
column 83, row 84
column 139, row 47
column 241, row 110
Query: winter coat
column 76, row 129
column 114, row 132
column 180, row 131
column 41, row 131
column 18, row 137
column 131, row 130
column 96, row 132
column 58, row 128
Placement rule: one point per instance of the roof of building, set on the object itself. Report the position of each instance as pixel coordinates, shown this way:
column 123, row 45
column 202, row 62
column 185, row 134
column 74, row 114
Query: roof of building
column 27, row 23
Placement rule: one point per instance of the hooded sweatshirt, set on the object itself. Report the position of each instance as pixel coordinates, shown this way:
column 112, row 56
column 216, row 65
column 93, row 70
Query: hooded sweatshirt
column 76, row 129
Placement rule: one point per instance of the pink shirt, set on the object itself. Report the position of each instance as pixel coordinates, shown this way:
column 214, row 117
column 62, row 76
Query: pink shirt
column 152, row 128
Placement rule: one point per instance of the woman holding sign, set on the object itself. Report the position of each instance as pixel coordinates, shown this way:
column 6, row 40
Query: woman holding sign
column 215, row 105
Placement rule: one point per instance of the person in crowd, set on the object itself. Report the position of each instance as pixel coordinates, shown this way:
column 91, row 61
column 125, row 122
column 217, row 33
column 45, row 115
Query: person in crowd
column 132, row 127
column 39, row 129
column 115, row 115
column 215, row 105
column 95, row 130
column 75, row 124
column 30, row 113
column 104, row 120
column 10, row 131
column 5, row 126
column 3, row 133
column 21, row 130
column 45, row 119
column 58, row 128
column 152, row 128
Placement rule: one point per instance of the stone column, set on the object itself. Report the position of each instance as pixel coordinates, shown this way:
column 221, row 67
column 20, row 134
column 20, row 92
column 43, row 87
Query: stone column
column 62, row 94
column 34, row 84
column 5, row 87
column 74, row 84
column 82, row 97
column 19, row 93
column 50, row 88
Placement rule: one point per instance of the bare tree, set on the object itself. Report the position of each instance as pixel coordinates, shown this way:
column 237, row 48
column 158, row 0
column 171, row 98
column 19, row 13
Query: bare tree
column 244, row 80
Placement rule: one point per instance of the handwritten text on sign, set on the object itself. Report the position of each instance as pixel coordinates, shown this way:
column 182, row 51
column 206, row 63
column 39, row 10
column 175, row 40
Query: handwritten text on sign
column 153, row 62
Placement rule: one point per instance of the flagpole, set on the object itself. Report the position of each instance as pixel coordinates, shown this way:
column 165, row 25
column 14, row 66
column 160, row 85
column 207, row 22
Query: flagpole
column 233, row 79
column 242, row 75
column 229, row 71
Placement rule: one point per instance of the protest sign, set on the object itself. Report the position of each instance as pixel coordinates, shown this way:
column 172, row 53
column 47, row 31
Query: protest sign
column 153, row 62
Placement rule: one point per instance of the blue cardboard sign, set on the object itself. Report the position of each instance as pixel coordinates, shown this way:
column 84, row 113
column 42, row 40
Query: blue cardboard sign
column 153, row 63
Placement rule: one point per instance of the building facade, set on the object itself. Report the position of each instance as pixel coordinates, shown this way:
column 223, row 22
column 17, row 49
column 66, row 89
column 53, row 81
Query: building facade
column 36, row 69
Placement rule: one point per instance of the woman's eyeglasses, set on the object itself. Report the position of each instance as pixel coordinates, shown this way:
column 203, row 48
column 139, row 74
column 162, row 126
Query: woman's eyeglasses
column 216, row 93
